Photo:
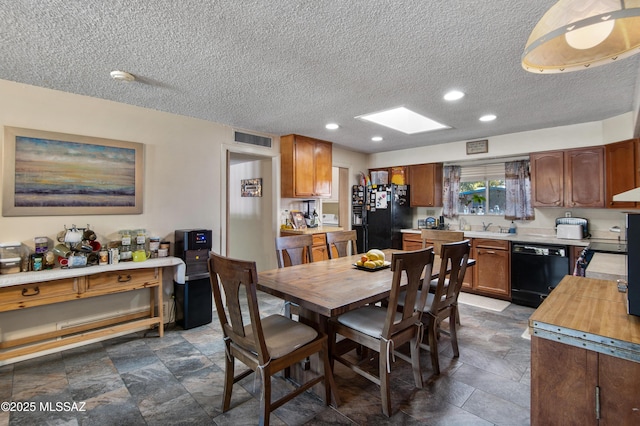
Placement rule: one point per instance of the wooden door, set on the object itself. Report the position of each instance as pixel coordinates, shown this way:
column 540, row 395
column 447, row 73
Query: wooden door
column 425, row 182
column 619, row 382
column 547, row 178
column 322, row 169
column 563, row 381
column 584, row 177
column 620, row 170
column 304, row 151
column 492, row 267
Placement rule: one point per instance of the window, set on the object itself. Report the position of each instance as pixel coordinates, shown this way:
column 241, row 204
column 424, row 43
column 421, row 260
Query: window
column 482, row 190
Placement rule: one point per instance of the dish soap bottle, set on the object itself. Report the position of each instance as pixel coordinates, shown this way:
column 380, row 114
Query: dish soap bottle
column 512, row 228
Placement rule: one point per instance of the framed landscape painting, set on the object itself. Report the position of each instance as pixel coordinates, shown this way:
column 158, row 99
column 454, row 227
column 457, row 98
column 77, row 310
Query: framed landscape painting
column 48, row 174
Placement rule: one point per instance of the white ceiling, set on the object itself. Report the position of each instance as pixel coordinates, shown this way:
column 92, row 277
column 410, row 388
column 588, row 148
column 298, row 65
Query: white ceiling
column 291, row 66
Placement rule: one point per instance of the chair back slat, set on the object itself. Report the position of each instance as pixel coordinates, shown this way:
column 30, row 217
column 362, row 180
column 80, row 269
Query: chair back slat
column 294, row 250
column 340, row 240
column 230, row 280
column 454, row 256
column 411, row 266
column 440, row 237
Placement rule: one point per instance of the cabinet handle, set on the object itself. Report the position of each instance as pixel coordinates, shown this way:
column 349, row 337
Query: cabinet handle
column 25, row 292
column 124, row 280
column 490, row 252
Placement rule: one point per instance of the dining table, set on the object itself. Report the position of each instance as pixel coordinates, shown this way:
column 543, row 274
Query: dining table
column 328, row 288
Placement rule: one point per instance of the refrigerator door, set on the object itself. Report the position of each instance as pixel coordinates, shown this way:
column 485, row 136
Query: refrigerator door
column 389, row 212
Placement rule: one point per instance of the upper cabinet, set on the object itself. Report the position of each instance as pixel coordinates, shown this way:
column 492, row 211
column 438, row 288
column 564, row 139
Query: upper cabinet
column 306, row 167
column 570, row 178
column 425, row 183
column 621, row 168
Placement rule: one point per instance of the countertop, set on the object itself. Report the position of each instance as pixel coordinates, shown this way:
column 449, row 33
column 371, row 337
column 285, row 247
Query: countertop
column 527, row 238
column 589, row 313
column 59, row 273
column 318, row 230
column 606, row 266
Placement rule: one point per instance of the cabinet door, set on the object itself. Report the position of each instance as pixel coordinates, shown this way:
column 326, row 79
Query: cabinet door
column 620, row 170
column 584, row 177
column 619, row 382
column 425, row 181
column 323, row 169
column 492, row 271
column 304, row 151
column 563, row 381
column 547, row 179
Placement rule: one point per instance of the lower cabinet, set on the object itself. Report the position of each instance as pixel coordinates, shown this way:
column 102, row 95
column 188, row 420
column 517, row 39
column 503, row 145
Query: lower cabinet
column 573, row 385
column 319, row 249
column 412, row 241
column 491, row 273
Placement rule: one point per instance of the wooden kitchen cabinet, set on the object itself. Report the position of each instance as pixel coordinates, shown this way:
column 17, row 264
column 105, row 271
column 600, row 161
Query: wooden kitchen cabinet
column 492, row 269
column 425, row 183
column 411, row 242
column 570, row 178
column 621, row 171
column 305, row 167
column 319, row 249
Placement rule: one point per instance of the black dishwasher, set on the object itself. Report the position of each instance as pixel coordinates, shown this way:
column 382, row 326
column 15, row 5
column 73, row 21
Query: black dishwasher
column 535, row 270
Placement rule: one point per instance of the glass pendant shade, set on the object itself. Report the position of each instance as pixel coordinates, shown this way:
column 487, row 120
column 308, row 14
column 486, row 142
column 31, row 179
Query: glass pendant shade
column 578, row 34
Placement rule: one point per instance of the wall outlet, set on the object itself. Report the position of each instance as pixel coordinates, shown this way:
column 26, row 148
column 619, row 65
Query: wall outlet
column 567, row 214
column 431, row 212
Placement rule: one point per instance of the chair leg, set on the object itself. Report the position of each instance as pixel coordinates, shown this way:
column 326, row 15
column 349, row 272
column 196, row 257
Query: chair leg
column 265, row 399
column 452, row 331
column 433, row 345
column 229, row 377
column 385, row 390
column 415, row 362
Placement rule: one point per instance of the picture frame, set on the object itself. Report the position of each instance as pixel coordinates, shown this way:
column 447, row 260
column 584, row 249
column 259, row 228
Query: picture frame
column 55, row 174
column 478, row 147
column 251, row 187
column 297, row 218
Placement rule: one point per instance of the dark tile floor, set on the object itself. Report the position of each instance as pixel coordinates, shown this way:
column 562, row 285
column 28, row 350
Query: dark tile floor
column 140, row 379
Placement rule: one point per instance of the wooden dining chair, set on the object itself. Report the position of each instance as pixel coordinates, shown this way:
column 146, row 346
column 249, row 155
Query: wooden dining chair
column 290, row 251
column 265, row 345
column 439, row 237
column 338, row 243
column 383, row 329
column 443, row 303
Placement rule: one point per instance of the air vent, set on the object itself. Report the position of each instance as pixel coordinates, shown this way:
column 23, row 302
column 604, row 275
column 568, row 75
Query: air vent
column 252, row 139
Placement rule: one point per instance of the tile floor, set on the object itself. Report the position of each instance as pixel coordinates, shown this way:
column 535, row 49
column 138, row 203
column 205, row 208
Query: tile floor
column 177, row 380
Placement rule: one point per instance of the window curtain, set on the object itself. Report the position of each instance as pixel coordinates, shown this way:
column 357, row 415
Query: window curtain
column 451, row 191
column 518, row 191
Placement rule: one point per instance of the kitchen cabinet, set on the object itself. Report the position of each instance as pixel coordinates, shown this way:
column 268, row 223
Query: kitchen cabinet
column 306, row 167
column 425, row 182
column 492, row 273
column 570, row 178
column 411, row 242
column 319, row 249
column 621, row 169
column 587, row 368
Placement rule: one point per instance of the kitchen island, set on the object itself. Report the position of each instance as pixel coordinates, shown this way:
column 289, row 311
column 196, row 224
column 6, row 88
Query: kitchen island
column 585, row 356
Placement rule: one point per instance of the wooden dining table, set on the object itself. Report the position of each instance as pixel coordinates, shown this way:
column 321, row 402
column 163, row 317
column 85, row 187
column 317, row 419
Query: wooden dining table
column 329, row 288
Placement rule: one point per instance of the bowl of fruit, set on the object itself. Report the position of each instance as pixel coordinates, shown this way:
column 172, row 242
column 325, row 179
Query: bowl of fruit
column 373, row 260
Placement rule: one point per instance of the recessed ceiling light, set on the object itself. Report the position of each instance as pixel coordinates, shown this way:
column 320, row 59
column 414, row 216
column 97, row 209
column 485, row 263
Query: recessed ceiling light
column 488, row 117
column 122, row 76
column 331, row 126
column 403, row 120
column 453, row 95
column 376, row 138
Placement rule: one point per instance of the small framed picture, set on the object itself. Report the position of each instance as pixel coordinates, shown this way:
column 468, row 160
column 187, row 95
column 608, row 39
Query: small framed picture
column 297, row 218
column 251, row 187
column 478, row 147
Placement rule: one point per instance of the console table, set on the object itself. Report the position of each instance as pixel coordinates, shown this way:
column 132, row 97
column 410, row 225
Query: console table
column 31, row 289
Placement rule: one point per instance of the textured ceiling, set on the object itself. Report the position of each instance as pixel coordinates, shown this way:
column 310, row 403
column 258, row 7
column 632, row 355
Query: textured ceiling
column 291, row 66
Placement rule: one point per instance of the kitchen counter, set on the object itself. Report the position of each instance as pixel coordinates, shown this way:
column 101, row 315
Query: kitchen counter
column 607, row 266
column 527, row 238
column 311, row 231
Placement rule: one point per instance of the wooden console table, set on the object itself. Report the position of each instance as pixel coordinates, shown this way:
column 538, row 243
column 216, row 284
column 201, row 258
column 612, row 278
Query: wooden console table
column 31, row 289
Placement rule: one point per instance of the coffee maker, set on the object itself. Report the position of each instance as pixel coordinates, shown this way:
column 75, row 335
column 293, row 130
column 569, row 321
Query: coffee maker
column 193, row 298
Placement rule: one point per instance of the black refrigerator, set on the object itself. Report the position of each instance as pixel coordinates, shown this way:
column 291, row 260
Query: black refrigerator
column 379, row 213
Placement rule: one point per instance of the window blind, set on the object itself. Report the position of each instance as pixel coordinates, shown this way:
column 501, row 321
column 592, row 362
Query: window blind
column 483, row 172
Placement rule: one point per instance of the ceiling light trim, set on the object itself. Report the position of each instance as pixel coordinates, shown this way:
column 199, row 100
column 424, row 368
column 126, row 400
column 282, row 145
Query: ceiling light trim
column 547, row 50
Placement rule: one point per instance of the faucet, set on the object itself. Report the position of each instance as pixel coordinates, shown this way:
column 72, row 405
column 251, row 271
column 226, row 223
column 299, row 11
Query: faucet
column 486, row 227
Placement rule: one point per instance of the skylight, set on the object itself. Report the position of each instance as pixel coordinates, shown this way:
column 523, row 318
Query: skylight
column 403, row 120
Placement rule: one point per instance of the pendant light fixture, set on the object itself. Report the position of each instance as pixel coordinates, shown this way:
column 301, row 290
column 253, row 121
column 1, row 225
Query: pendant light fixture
column 578, row 34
